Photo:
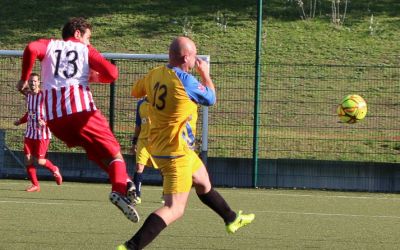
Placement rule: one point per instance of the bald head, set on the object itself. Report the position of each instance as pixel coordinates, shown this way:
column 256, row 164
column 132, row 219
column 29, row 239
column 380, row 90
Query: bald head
column 182, row 53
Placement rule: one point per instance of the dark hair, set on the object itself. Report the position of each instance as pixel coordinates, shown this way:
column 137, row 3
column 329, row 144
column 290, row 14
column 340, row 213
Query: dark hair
column 74, row 24
column 34, row 74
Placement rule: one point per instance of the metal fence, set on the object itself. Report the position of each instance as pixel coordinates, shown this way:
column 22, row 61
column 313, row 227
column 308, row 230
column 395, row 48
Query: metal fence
column 297, row 114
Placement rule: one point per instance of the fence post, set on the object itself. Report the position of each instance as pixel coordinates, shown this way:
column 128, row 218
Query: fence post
column 256, row 93
column 112, row 102
column 2, row 149
column 204, row 136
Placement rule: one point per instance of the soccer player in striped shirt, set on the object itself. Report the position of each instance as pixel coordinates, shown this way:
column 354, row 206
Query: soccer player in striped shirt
column 37, row 135
column 67, row 67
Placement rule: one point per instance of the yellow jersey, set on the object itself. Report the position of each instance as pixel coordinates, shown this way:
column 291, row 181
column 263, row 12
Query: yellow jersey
column 173, row 97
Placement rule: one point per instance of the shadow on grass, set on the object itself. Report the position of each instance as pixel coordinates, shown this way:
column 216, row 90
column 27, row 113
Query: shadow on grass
column 25, row 20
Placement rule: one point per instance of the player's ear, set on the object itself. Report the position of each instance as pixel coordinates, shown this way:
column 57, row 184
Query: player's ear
column 185, row 59
column 77, row 34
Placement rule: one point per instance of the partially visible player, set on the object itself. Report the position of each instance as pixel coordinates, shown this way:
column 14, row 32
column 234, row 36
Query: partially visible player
column 139, row 143
column 37, row 134
column 67, row 67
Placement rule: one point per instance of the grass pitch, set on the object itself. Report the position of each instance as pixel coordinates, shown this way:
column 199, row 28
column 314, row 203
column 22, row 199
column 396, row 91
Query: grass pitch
column 79, row 216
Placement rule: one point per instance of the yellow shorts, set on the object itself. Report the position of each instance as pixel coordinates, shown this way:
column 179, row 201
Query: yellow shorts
column 177, row 172
column 142, row 155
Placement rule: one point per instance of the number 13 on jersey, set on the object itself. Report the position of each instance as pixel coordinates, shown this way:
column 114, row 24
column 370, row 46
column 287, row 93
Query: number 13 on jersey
column 160, row 94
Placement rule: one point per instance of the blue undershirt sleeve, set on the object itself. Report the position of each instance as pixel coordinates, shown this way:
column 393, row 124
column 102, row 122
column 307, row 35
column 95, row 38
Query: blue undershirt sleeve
column 197, row 91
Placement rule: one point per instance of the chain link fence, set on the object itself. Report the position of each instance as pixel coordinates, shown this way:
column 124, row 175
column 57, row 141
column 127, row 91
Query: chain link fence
column 297, row 114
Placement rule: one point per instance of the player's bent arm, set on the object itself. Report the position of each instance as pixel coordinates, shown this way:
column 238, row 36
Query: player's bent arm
column 198, row 92
column 135, row 140
column 22, row 87
column 203, row 69
column 22, row 120
column 36, row 49
column 137, row 131
column 106, row 71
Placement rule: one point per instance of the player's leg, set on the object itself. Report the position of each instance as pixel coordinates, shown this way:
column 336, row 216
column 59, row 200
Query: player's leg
column 106, row 148
column 162, row 194
column 176, row 187
column 151, row 163
column 42, row 147
column 172, row 210
column 91, row 131
column 142, row 159
column 138, row 179
column 210, row 197
column 116, row 169
column 30, row 168
column 46, row 163
column 118, row 196
column 31, row 171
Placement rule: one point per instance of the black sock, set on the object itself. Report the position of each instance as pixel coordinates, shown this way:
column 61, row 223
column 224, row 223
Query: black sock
column 217, row 203
column 137, row 179
column 152, row 226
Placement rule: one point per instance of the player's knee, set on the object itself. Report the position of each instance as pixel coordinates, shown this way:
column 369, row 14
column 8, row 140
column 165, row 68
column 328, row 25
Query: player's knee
column 202, row 189
column 202, row 185
column 28, row 157
column 29, row 162
column 118, row 156
column 107, row 162
column 41, row 162
column 178, row 211
column 139, row 168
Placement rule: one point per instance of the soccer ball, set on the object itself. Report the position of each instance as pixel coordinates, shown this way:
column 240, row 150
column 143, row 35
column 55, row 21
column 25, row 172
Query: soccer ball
column 352, row 109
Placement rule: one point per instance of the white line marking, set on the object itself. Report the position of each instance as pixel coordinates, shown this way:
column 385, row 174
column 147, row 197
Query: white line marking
column 206, row 209
column 270, row 193
column 244, row 191
column 324, row 214
column 46, row 203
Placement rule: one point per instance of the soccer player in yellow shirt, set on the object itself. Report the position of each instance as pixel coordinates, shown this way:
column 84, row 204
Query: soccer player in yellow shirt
column 173, row 95
column 139, row 146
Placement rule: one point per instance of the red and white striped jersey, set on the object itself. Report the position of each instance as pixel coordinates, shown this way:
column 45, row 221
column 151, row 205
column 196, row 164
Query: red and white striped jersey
column 65, row 71
column 36, row 110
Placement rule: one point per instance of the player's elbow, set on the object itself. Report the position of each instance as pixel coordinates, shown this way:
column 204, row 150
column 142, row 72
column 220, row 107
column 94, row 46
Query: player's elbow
column 113, row 74
column 211, row 101
column 110, row 75
column 135, row 94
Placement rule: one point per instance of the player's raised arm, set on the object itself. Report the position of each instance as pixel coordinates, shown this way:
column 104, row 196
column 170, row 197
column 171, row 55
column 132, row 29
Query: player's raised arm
column 199, row 92
column 203, row 69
